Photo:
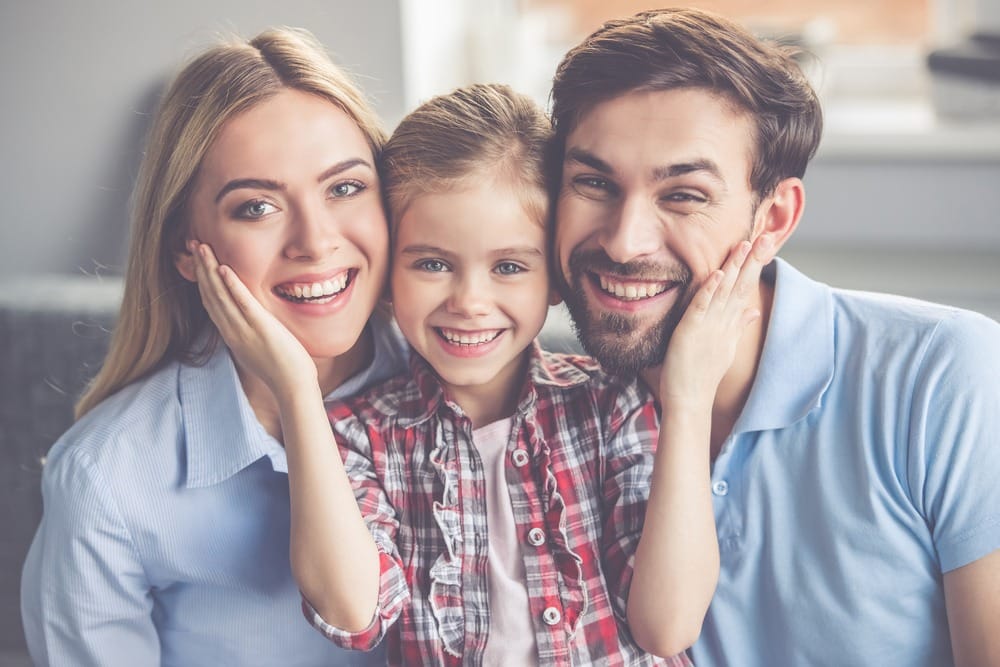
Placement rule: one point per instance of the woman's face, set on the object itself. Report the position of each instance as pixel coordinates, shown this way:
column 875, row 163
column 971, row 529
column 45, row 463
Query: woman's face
column 288, row 196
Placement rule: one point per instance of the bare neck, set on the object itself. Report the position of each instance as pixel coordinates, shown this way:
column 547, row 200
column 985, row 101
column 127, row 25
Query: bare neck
column 331, row 371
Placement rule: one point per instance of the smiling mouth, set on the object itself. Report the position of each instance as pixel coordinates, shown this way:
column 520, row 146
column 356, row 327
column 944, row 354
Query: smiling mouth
column 317, row 292
column 630, row 290
column 468, row 338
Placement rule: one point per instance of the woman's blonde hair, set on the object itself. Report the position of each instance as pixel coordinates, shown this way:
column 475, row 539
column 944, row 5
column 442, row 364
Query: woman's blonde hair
column 472, row 132
column 161, row 313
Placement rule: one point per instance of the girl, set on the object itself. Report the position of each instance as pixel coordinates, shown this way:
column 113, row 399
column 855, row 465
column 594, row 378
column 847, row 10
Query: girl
column 502, row 490
column 165, row 533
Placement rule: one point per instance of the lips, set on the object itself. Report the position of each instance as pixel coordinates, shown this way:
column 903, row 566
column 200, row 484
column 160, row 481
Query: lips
column 319, row 291
column 630, row 290
column 468, row 338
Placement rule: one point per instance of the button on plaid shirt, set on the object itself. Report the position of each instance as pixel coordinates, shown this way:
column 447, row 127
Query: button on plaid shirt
column 578, row 466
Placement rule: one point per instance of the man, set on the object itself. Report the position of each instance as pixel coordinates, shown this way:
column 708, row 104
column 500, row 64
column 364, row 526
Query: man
column 855, row 437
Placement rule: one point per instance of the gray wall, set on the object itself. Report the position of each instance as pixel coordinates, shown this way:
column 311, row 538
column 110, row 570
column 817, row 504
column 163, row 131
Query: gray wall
column 80, row 80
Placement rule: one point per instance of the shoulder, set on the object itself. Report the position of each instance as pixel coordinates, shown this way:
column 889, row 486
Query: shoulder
column 933, row 331
column 580, row 379
column 131, row 424
column 388, row 399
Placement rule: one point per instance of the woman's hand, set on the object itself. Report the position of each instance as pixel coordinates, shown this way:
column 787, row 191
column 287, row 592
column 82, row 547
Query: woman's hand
column 703, row 345
column 258, row 341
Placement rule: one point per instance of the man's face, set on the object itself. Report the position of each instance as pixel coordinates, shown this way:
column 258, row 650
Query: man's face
column 655, row 193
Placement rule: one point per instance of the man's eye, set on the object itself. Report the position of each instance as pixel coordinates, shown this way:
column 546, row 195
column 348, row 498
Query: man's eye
column 591, row 182
column 346, row 189
column 593, row 187
column 508, row 268
column 256, row 208
column 432, row 265
column 685, row 198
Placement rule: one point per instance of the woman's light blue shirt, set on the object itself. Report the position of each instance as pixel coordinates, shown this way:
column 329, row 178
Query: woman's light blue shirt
column 165, row 533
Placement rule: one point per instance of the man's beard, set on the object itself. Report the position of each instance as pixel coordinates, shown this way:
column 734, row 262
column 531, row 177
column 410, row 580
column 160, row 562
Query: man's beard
column 621, row 342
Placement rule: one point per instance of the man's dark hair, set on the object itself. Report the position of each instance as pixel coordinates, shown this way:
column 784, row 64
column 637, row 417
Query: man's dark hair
column 669, row 49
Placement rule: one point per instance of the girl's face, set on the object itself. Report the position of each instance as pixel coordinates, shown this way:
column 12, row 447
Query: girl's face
column 470, row 287
column 288, row 196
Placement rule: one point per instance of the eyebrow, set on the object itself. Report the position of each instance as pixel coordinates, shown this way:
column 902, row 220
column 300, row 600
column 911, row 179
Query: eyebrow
column 269, row 184
column 660, row 173
column 435, row 250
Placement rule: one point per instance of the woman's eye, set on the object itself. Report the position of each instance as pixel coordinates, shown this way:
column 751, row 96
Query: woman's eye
column 256, row 208
column 432, row 265
column 508, row 268
column 346, row 189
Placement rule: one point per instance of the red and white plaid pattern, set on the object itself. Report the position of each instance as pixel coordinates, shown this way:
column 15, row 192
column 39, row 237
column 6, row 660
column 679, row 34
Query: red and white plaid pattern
column 589, row 440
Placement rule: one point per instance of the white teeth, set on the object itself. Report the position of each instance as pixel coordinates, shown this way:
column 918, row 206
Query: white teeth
column 477, row 338
column 316, row 290
column 632, row 290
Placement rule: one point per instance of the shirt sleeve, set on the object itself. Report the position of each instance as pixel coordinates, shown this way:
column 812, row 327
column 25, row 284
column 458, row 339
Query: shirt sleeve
column 627, row 466
column 363, row 450
column 954, row 446
column 84, row 595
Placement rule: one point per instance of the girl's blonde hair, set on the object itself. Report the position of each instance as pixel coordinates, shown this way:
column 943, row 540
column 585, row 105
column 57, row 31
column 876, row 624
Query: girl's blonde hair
column 472, row 132
column 161, row 313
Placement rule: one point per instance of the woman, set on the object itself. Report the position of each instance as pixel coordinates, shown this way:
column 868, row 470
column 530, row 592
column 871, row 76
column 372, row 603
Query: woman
column 165, row 533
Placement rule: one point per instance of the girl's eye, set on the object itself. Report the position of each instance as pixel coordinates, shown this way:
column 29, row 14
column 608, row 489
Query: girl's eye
column 346, row 189
column 508, row 268
column 432, row 265
column 256, row 208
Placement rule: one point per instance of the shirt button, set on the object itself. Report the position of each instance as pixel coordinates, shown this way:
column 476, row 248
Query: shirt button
column 720, row 488
column 551, row 616
column 520, row 458
column 536, row 537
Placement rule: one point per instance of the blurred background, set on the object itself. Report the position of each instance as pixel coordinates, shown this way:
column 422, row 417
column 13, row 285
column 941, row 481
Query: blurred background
column 904, row 195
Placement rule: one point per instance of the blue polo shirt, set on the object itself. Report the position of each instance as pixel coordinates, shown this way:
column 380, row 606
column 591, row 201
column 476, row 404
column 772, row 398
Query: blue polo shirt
column 865, row 464
column 165, row 534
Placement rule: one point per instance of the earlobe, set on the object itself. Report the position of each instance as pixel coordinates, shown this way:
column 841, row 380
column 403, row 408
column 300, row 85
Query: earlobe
column 184, row 261
column 554, row 298
column 779, row 214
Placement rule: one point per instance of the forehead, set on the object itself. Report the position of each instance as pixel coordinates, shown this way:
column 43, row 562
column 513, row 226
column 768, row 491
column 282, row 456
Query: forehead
column 289, row 130
column 651, row 130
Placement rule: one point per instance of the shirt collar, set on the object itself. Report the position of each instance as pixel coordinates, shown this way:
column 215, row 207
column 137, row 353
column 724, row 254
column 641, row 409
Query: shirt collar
column 797, row 362
column 222, row 434
column 544, row 370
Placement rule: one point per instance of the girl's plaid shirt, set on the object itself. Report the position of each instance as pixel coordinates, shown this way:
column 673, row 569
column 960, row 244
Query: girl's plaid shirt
column 578, row 466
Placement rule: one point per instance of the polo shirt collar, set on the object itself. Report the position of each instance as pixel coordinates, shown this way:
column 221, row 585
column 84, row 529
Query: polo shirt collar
column 797, row 362
column 222, row 434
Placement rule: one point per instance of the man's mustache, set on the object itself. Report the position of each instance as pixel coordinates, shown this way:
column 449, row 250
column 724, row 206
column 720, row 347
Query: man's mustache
column 596, row 260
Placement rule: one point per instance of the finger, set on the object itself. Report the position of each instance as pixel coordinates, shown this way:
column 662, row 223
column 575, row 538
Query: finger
column 731, row 270
column 753, row 264
column 215, row 295
column 703, row 298
column 248, row 304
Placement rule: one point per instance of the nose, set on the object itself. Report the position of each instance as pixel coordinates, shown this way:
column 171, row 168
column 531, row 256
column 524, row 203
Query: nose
column 469, row 297
column 634, row 232
column 314, row 234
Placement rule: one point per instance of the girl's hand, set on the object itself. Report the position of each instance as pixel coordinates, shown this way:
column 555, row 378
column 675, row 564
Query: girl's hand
column 258, row 341
column 703, row 345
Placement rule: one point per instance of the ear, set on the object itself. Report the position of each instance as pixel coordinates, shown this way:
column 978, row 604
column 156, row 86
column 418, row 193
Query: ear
column 554, row 298
column 184, row 261
column 778, row 215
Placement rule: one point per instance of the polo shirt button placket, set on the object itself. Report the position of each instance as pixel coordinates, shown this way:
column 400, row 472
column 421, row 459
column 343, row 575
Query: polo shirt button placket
column 720, row 488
